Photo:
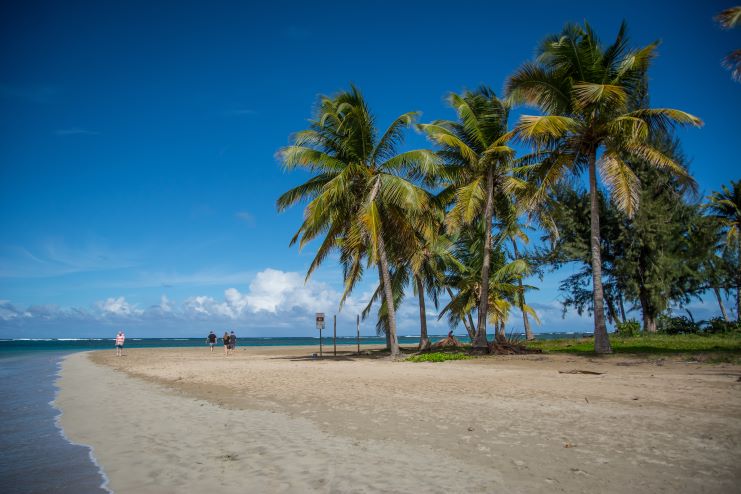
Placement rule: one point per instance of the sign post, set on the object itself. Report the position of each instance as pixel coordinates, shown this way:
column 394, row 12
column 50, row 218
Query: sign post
column 320, row 326
column 334, row 338
column 357, row 328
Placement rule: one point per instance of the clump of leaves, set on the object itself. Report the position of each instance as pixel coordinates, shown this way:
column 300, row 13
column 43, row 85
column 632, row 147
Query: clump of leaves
column 629, row 328
column 438, row 357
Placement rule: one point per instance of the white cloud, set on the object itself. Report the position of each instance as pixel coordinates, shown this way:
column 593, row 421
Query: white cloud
column 118, row 306
column 8, row 311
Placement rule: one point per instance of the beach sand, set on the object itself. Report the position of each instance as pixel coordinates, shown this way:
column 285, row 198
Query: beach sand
column 274, row 420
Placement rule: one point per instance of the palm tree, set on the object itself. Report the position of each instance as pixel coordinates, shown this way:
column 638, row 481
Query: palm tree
column 511, row 228
column 589, row 95
column 729, row 19
column 359, row 187
column 725, row 207
column 503, row 290
column 478, row 162
column 428, row 263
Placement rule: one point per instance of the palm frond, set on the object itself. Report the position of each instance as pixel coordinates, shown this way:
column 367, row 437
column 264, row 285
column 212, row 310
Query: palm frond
column 621, row 181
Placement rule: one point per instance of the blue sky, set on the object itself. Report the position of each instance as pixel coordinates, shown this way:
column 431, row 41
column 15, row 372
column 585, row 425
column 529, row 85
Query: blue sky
column 138, row 175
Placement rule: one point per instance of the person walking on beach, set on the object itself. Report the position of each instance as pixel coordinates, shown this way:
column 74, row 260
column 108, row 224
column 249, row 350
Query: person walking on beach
column 227, row 344
column 120, row 338
column 211, row 340
column 232, row 341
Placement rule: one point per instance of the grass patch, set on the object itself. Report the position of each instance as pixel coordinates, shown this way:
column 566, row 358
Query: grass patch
column 648, row 344
column 438, row 357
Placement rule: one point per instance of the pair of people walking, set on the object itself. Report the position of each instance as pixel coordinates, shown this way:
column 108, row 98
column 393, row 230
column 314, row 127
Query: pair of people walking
column 230, row 342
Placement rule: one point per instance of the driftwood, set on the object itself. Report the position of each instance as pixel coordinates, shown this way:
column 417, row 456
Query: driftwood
column 576, row 371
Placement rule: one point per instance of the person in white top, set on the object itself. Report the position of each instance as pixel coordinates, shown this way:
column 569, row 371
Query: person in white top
column 120, row 338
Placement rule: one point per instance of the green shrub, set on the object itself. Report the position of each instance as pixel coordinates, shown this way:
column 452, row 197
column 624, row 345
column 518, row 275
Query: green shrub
column 438, row 357
column 676, row 325
column 718, row 325
column 628, row 328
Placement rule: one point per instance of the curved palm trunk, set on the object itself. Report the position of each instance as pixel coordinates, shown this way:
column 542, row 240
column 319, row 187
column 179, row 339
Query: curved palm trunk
column 525, row 321
column 500, row 331
column 601, row 339
column 621, row 305
column 392, row 342
column 720, row 303
column 389, row 295
column 480, row 342
column 611, row 310
column 424, row 341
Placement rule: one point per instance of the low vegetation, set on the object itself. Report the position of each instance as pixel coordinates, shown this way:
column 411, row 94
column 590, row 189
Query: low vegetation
column 649, row 344
column 439, row 357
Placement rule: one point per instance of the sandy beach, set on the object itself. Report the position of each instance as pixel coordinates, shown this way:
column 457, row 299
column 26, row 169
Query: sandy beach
column 272, row 419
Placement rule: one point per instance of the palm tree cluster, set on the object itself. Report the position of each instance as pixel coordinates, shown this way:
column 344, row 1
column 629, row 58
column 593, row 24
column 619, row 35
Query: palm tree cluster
column 447, row 220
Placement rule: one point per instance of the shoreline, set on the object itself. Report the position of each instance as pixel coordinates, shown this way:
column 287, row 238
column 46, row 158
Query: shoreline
column 509, row 424
column 54, row 403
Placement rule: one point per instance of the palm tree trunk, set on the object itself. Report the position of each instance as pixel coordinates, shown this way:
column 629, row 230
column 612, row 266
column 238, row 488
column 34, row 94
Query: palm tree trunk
column 601, row 339
column 480, row 342
column 472, row 334
column 500, row 331
column 611, row 309
column 386, row 333
column 385, row 279
column 389, row 295
column 424, row 341
column 621, row 305
column 720, row 303
column 468, row 323
column 528, row 332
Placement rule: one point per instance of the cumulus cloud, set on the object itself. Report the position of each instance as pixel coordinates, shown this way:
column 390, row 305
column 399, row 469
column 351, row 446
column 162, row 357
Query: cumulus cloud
column 271, row 291
column 118, row 306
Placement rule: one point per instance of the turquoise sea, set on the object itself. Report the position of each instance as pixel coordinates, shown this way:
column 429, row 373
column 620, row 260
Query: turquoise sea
column 34, row 454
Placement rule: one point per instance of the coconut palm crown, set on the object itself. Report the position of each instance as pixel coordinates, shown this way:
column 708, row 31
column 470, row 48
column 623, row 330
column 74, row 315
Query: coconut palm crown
column 591, row 97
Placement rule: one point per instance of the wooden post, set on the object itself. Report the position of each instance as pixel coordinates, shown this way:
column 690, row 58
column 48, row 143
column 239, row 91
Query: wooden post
column 334, row 338
column 320, row 341
column 357, row 327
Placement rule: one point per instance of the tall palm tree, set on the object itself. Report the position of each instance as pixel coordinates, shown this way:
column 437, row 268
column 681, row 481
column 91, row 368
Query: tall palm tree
column 359, row 187
column 725, row 207
column 590, row 97
column 478, row 162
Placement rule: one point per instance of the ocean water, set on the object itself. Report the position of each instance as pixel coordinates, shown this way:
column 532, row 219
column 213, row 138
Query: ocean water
column 35, row 457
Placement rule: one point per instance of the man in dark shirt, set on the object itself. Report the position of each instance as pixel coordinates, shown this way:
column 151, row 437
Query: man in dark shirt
column 211, row 340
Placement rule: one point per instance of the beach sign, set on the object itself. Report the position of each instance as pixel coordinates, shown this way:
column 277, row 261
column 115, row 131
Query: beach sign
column 320, row 320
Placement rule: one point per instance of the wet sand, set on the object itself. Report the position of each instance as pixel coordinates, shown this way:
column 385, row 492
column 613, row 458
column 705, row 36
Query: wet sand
column 272, row 419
